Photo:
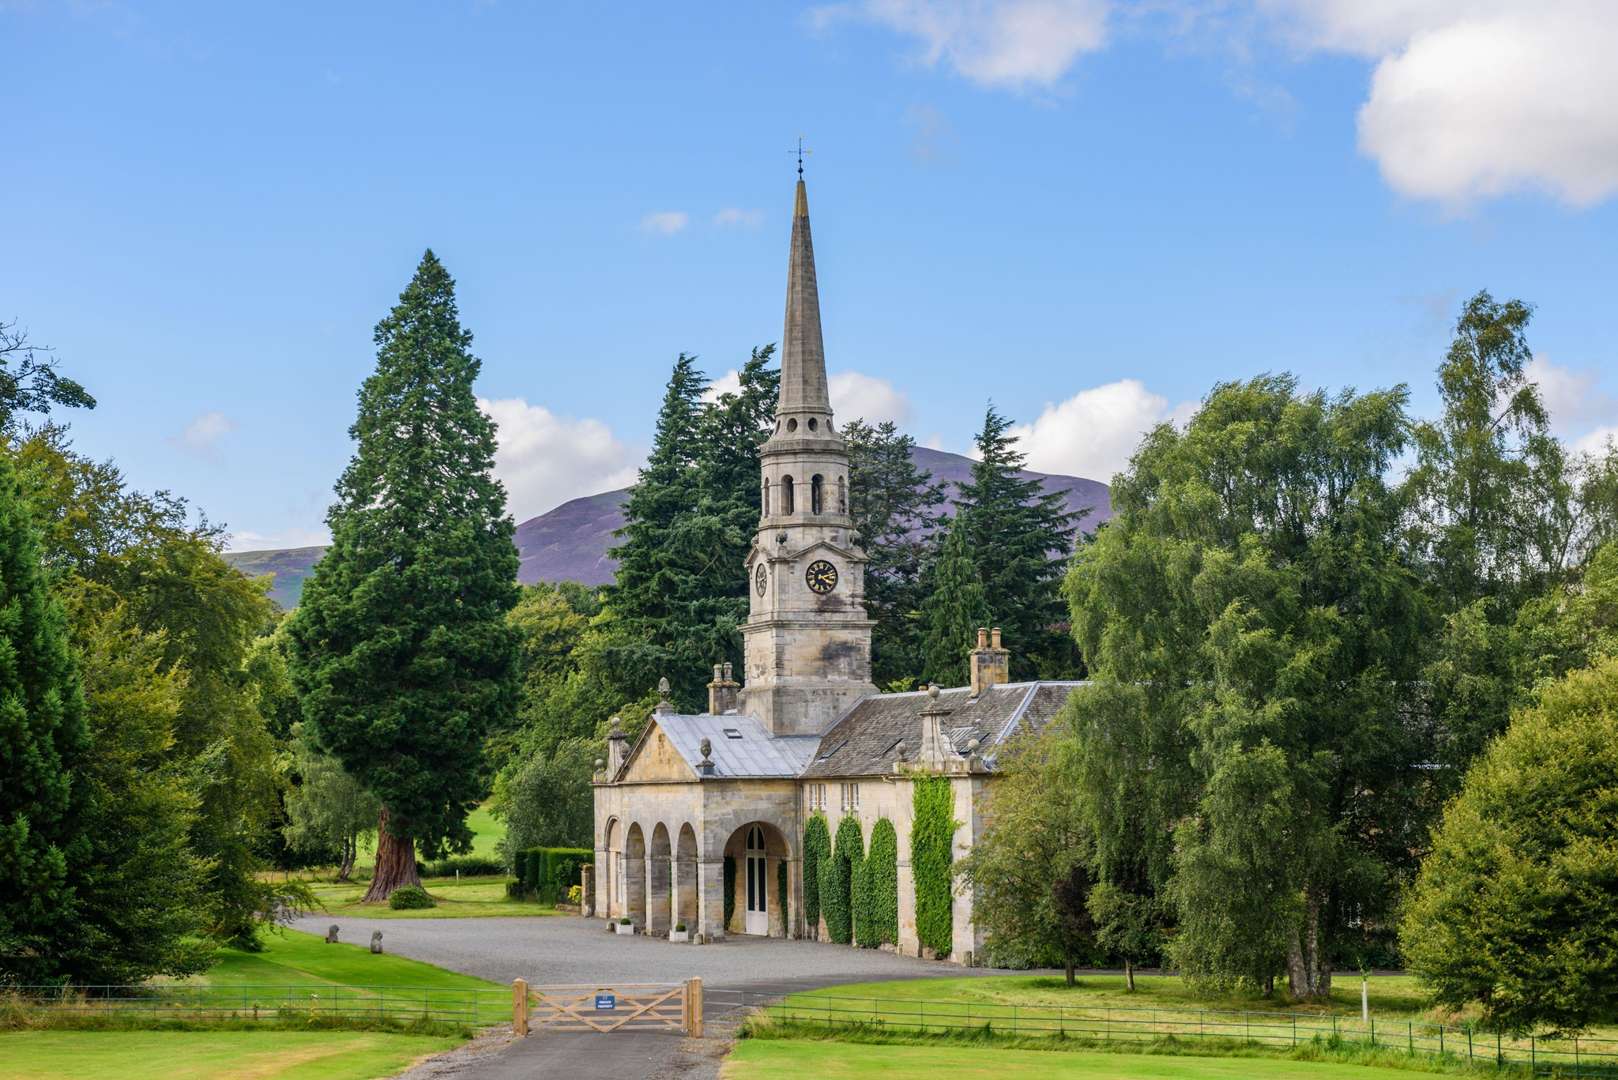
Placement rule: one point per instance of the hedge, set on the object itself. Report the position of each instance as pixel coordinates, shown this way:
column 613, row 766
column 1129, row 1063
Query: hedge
column 546, row 873
column 880, row 891
column 816, row 852
column 932, row 835
column 839, row 887
column 467, row 865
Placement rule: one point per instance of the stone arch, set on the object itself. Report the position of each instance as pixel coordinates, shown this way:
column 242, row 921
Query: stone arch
column 635, row 874
column 786, row 494
column 758, row 849
column 685, row 878
column 612, row 873
column 659, row 883
column 817, row 499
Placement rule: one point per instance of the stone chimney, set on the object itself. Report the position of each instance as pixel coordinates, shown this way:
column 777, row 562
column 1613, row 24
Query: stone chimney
column 617, row 748
column 723, row 690
column 991, row 665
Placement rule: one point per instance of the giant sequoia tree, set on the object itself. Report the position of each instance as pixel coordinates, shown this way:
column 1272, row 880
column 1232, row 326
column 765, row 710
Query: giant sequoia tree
column 400, row 645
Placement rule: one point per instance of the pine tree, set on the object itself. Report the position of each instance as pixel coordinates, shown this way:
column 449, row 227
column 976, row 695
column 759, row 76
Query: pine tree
column 400, row 645
column 1019, row 535
column 955, row 609
column 895, row 506
column 42, row 742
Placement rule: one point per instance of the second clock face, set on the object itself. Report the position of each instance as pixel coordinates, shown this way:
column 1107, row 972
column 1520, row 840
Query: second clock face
column 821, row 576
column 761, row 578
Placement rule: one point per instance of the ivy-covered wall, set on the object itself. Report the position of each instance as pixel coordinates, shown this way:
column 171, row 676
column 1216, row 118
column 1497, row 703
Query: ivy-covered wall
column 879, row 894
column 816, row 853
column 837, row 880
column 782, row 898
column 932, row 838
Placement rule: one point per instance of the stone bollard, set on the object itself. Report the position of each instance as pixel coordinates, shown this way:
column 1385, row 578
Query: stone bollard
column 331, row 935
column 376, row 942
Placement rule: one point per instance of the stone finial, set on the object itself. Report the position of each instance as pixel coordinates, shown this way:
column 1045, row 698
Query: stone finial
column 617, row 747
column 601, row 763
column 664, row 705
column 705, row 766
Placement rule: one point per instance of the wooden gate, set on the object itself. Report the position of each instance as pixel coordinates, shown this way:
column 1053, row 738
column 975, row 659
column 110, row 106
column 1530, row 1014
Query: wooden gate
column 675, row 1007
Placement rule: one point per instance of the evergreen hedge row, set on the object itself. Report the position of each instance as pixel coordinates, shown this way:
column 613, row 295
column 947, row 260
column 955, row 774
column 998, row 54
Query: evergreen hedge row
column 932, row 836
column 816, row 853
column 880, row 892
column 546, row 873
column 839, row 878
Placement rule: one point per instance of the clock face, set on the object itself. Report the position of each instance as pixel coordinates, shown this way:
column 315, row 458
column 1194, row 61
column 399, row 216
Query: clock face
column 761, row 579
column 821, row 576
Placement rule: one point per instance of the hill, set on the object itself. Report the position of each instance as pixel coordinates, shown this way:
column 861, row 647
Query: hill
column 570, row 543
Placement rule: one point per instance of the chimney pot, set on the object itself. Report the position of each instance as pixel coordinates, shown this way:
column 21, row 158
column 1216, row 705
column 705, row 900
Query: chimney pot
column 996, row 635
column 983, row 637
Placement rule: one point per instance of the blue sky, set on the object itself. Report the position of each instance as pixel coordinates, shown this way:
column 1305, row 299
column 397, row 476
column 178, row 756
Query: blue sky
column 1088, row 210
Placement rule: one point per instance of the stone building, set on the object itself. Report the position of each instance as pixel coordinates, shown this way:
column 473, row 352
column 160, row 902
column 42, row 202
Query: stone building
column 806, row 731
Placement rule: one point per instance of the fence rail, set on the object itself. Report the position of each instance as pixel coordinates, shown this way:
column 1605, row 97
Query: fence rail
column 1592, row 1057
column 401, row 1004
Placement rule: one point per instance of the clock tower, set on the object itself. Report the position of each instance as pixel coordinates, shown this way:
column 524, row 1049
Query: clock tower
column 807, row 637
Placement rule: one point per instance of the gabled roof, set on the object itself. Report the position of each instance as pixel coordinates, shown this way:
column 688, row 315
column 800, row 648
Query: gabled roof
column 741, row 747
column 865, row 740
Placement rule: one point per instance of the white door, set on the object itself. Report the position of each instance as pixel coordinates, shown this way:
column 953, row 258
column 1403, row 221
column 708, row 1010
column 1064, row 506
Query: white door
column 758, row 906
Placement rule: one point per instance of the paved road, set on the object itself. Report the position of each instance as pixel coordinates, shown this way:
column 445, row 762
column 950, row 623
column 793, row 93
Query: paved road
column 563, row 950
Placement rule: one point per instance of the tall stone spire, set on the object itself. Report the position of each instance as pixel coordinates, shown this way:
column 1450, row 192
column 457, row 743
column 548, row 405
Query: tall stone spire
column 803, row 353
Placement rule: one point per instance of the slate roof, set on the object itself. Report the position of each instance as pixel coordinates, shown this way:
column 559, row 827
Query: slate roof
column 865, row 740
column 741, row 746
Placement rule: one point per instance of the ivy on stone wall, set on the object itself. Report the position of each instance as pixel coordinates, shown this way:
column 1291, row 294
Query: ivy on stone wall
column 932, row 836
column 781, row 891
column 880, row 891
column 730, row 890
column 816, row 852
column 838, row 878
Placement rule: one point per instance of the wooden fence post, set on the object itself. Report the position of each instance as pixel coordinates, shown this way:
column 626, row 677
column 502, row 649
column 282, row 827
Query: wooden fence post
column 693, row 1008
column 519, row 1006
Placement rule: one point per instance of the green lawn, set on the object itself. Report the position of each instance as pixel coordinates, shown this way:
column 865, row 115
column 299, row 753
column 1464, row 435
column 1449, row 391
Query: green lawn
column 295, row 958
column 468, row 897
column 757, row 1059
column 487, row 832
column 211, row 1055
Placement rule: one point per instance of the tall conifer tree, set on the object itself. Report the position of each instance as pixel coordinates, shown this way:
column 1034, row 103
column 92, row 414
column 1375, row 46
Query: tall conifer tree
column 400, row 645
column 42, row 741
column 955, row 609
column 1019, row 535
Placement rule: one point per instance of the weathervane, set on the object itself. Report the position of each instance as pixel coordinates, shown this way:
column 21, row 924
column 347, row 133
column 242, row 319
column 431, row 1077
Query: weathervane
column 801, row 152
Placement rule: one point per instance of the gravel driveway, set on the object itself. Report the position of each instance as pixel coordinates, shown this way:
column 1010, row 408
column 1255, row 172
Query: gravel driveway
column 567, row 949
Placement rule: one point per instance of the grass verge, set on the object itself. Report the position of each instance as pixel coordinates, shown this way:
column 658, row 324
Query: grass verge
column 211, row 1055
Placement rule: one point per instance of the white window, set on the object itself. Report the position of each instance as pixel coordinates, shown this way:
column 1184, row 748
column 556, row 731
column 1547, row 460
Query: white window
column 850, row 794
column 815, row 794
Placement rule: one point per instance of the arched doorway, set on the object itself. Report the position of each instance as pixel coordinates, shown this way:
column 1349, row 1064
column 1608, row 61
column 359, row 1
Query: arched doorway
column 659, row 883
column 635, row 875
column 685, row 878
column 759, row 874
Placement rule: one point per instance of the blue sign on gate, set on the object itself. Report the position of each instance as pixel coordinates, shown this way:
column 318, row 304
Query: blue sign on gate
column 606, row 1002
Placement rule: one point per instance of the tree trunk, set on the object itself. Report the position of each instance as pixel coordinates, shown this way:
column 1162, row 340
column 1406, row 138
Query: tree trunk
column 1067, row 969
column 395, row 863
column 1308, row 973
column 345, row 865
column 1129, row 975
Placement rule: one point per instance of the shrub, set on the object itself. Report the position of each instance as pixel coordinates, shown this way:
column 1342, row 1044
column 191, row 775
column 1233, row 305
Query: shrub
column 932, row 833
column 575, row 894
column 546, row 873
column 625, row 921
column 879, row 893
column 837, row 880
column 410, row 898
column 679, row 928
column 466, row 865
column 816, row 850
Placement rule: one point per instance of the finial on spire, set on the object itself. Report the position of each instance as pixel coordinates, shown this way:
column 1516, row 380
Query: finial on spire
column 802, row 153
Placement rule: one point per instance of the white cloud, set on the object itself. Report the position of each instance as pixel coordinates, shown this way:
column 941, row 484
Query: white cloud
column 728, row 383
column 1472, row 99
column 1582, row 413
column 204, row 431
column 545, row 460
column 1093, row 433
column 1597, row 441
column 867, row 397
column 738, row 218
column 1013, row 44
column 665, row 222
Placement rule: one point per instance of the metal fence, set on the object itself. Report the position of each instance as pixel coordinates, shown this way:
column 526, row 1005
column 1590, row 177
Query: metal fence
column 1593, row 1057
column 304, row 1002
